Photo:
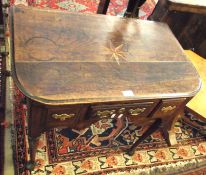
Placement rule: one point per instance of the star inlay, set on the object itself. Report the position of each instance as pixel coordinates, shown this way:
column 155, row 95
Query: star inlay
column 116, row 52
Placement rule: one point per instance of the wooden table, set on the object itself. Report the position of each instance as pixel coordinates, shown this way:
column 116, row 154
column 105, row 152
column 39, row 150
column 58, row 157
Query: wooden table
column 76, row 69
column 187, row 20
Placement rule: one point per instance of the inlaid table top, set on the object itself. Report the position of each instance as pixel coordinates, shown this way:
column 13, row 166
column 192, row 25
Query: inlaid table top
column 62, row 57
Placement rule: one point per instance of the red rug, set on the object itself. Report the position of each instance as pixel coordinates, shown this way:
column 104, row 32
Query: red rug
column 116, row 7
column 95, row 150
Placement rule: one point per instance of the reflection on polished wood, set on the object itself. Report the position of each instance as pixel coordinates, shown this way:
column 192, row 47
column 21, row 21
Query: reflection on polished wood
column 75, row 69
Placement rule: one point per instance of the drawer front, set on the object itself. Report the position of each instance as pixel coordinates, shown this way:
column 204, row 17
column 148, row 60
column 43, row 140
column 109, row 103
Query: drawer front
column 168, row 107
column 143, row 121
column 65, row 116
column 139, row 113
column 131, row 110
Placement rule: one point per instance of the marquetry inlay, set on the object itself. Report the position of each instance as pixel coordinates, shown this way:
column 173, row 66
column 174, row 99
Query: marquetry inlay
column 116, row 53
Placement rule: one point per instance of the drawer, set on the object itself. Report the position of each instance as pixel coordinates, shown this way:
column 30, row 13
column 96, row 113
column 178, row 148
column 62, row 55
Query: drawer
column 168, row 107
column 63, row 116
column 143, row 121
column 131, row 110
column 140, row 112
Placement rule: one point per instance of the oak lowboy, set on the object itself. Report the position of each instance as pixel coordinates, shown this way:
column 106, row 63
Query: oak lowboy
column 76, row 69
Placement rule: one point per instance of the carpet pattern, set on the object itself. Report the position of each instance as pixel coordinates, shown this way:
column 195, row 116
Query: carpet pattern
column 116, row 7
column 69, row 145
column 95, row 150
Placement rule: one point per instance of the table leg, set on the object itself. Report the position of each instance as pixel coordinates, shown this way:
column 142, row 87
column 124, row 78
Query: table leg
column 150, row 130
column 170, row 137
column 130, row 7
column 35, row 129
column 133, row 8
column 33, row 142
column 103, row 6
column 168, row 130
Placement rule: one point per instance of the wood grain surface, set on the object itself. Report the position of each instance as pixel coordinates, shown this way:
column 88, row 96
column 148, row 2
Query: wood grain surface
column 190, row 2
column 193, row 6
column 61, row 57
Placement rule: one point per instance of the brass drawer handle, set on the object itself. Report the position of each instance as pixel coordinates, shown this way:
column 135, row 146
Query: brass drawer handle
column 105, row 113
column 63, row 117
column 168, row 108
column 137, row 111
column 121, row 110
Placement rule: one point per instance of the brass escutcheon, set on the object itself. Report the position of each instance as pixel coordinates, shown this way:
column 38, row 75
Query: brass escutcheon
column 63, row 117
column 122, row 110
column 168, row 108
column 106, row 113
column 136, row 111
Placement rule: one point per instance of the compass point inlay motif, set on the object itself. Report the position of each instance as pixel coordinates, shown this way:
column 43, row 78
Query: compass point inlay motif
column 117, row 53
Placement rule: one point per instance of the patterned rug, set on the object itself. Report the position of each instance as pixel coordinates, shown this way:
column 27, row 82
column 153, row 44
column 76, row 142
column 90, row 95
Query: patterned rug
column 96, row 151
column 116, row 7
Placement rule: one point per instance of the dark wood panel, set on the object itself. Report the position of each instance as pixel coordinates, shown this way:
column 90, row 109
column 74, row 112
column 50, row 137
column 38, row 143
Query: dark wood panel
column 193, row 6
column 2, row 86
column 187, row 20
